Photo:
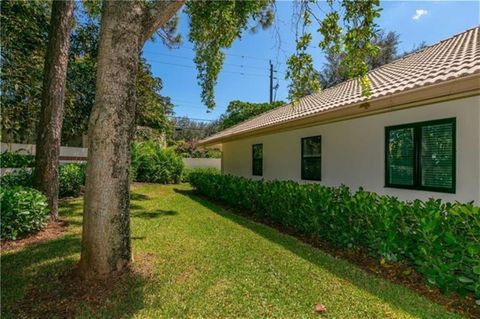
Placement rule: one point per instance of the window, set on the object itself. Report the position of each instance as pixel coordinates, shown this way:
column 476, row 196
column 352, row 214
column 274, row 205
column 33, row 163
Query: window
column 257, row 159
column 421, row 156
column 312, row 158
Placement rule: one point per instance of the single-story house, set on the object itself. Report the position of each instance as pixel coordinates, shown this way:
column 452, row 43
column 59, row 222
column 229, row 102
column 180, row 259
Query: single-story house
column 416, row 136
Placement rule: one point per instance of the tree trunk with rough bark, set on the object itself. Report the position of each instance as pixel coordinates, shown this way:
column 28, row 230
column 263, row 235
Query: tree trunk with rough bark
column 125, row 26
column 53, row 95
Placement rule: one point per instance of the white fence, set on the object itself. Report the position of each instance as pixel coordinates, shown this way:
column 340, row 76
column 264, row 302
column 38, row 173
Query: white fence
column 67, row 154
column 79, row 154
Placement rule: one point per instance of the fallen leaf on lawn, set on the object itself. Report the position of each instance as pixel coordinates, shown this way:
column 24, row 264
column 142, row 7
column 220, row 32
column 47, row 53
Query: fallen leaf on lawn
column 320, row 308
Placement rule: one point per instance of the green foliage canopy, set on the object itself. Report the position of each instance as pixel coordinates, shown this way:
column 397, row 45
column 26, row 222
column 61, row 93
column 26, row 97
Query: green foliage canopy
column 238, row 111
column 24, row 37
column 214, row 25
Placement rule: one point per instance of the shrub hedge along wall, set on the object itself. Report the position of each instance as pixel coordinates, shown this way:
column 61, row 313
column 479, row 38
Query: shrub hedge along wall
column 439, row 240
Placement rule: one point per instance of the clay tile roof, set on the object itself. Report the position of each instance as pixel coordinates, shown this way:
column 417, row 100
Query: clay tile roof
column 449, row 59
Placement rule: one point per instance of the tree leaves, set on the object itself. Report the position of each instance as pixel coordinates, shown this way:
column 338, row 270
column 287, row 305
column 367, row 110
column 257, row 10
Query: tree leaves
column 238, row 111
column 354, row 43
column 214, row 25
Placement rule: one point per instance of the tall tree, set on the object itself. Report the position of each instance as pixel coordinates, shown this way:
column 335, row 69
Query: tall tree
column 53, row 96
column 24, row 33
column 24, row 38
column 238, row 111
column 125, row 26
column 334, row 71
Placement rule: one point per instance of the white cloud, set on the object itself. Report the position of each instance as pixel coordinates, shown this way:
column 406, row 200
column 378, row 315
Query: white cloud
column 419, row 13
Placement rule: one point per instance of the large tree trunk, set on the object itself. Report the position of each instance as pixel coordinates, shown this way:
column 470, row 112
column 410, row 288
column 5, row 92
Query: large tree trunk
column 53, row 95
column 106, row 225
column 125, row 26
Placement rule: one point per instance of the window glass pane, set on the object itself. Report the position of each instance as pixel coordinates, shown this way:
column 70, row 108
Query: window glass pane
column 257, row 159
column 257, row 151
column 401, row 156
column 312, row 168
column 311, row 146
column 257, row 168
column 437, row 155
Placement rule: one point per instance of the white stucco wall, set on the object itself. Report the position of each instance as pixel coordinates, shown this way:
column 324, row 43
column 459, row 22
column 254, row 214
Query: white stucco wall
column 353, row 151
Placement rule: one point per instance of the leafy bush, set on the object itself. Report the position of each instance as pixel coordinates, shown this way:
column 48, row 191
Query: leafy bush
column 205, row 170
column 20, row 177
column 440, row 240
column 23, row 211
column 152, row 163
column 16, row 160
column 71, row 178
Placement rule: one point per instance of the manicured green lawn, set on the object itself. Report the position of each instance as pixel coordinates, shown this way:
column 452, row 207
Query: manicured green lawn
column 205, row 262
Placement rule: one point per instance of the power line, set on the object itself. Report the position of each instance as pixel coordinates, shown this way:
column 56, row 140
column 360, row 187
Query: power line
column 226, row 71
column 192, row 119
column 190, row 59
column 237, row 55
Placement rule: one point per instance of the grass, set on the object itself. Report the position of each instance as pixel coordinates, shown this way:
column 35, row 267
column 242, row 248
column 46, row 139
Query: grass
column 206, row 262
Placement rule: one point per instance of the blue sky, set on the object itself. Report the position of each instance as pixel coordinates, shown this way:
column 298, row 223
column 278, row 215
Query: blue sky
column 245, row 74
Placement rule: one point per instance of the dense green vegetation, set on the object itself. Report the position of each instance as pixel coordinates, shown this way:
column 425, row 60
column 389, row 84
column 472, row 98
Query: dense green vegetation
column 201, row 261
column 239, row 111
column 155, row 164
column 22, row 211
column 24, row 34
column 16, row 160
column 440, row 240
column 71, row 177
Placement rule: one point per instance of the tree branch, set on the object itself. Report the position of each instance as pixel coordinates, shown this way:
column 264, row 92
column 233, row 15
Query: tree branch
column 158, row 15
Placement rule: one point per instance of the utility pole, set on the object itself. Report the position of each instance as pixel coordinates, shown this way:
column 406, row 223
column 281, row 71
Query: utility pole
column 271, row 81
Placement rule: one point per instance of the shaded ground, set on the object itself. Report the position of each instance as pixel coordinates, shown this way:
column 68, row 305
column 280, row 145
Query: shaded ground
column 195, row 259
column 51, row 231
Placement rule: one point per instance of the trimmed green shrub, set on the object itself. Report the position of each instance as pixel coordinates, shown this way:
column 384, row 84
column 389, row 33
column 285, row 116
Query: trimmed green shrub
column 440, row 240
column 23, row 211
column 151, row 163
column 71, row 179
column 205, row 170
column 16, row 160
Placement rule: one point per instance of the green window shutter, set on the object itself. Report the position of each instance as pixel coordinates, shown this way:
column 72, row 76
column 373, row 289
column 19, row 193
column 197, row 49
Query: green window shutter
column 257, row 159
column 438, row 155
column 400, row 156
column 312, row 158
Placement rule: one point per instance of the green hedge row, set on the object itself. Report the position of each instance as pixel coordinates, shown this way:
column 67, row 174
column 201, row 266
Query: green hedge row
column 440, row 240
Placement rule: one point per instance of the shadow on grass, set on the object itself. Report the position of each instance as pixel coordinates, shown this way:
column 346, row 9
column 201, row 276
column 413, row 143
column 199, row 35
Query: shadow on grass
column 389, row 292
column 153, row 214
column 138, row 196
column 136, row 200
column 40, row 281
column 71, row 207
